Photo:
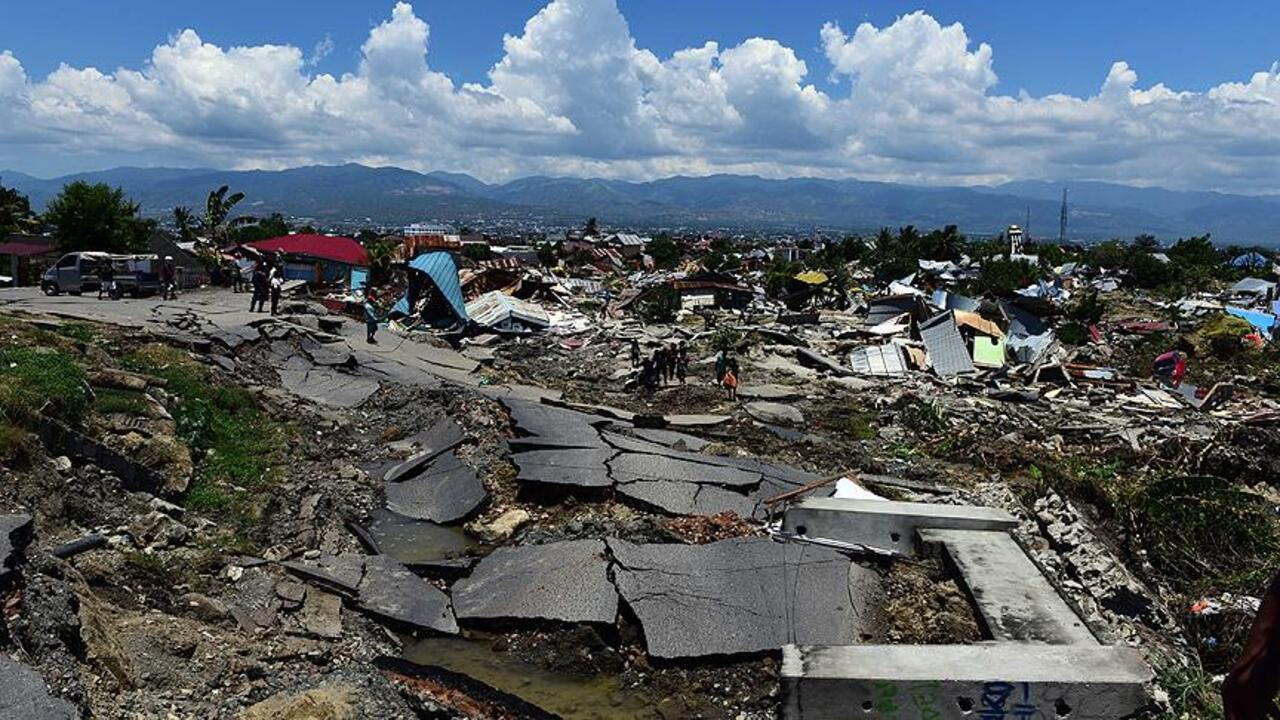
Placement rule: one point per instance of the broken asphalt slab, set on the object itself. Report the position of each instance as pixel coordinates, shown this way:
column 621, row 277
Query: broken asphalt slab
column 447, row 491
column 553, row 426
column 565, row 581
column 23, row 694
column 443, row 435
column 775, row 413
column 630, row 467
column 15, row 535
column 743, row 595
column 381, row 587
column 686, row 498
column 571, row 467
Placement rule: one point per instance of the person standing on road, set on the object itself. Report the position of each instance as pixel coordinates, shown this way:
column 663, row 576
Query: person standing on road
column 168, row 277
column 258, row 284
column 730, row 382
column 635, row 353
column 107, row 281
column 682, row 362
column 276, row 284
column 721, row 366
column 659, row 365
column 371, row 319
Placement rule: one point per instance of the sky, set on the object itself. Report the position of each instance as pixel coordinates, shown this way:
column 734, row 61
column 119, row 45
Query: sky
column 1146, row 93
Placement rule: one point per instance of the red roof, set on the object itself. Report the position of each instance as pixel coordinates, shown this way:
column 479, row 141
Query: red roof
column 337, row 249
column 27, row 249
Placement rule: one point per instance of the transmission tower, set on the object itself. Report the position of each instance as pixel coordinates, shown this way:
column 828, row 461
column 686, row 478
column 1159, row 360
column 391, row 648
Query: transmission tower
column 1062, row 220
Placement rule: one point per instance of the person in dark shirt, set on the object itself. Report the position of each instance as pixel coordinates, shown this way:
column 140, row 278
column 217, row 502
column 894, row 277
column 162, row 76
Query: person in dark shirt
column 1249, row 692
column 107, row 281
column 258, row 282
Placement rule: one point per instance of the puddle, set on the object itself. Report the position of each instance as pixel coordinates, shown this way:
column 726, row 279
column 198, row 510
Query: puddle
column 570, row 696
column 417, row 541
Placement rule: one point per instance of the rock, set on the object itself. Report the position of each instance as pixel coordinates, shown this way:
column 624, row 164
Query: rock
column 62, row 463
column 321, row 614
column 322, row 703
column 203, row 607
column 565, row 581
column 156, row 529
column 775, row 413
column 291, row 592
column 24, row 695
column 174, row 511
column 503, row 526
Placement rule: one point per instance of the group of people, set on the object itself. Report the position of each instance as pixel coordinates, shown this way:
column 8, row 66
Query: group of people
column 667, row 363
column 167, row 273
column 267, row 281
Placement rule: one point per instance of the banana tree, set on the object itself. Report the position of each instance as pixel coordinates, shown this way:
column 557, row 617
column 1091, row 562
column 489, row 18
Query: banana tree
column 217, row 222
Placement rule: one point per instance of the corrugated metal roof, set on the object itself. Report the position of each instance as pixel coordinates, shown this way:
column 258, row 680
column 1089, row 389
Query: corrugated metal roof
column 947, row 352
column 495, row 307
column 878, row 360
column 439, row 266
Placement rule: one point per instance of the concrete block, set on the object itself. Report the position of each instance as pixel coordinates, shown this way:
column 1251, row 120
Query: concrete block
column 963, row 682
column 886, row 524
column 1013, row 598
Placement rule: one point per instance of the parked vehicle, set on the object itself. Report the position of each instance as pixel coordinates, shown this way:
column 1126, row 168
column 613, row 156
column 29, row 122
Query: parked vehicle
column 79, row 272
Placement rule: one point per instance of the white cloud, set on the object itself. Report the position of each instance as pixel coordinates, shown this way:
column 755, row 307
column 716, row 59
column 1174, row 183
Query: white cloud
column 574, row 94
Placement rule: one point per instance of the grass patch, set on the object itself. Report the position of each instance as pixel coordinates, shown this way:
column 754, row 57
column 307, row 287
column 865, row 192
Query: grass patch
column 1192, row 692
column 77, row 331
column 33, row 380
column 238, row 444
column 115, row 400
column 14, row 443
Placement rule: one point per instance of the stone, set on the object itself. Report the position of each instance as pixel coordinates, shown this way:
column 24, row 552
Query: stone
column 775, row 413
column 503, row 526
column 321, row 614
column 62, row 463
column 443, row 495
column 567, row 467
column 566, row 581
column 743, row 595
column 156, row 529
column 291, row 592
column 629, row 467
column 23, row 694
column 203, row 607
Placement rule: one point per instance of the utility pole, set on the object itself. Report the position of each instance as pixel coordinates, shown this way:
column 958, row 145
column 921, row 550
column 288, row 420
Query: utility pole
column 1062, row 221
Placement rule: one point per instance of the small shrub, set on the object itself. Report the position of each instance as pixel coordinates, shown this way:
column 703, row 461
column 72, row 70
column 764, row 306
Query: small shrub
column 76, row 331
column 15, row 443
column 114, row 400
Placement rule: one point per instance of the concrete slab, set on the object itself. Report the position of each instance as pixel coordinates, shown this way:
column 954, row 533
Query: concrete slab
column 962, row 682
column 886, row 524
column 685, row 498
column 1013, row 598
column 23, row 694
column 571, row 467
column 446, row 491
column 630, row 467
column 566, row 581
column 696, row 421
column 743, row 595
column 769, row 391
column 775, row 413
column 811, row 359
column 327, row 386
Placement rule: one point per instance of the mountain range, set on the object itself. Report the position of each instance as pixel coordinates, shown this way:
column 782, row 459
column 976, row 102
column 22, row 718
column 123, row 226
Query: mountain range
column 354, row 194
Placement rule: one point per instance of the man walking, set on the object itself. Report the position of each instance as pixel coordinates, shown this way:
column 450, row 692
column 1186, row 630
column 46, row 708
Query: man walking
column 371, row 319
column 107, row 281
column 276, row 284
column 258, row 284
column 168, row 279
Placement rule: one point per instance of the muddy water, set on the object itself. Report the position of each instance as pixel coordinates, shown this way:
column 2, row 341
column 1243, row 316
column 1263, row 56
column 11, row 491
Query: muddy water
column 570, row 696
column 417, row 541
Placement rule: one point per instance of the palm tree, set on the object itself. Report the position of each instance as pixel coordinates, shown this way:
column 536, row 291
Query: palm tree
column 185, row 221
column 381, row 253
column 217, row 222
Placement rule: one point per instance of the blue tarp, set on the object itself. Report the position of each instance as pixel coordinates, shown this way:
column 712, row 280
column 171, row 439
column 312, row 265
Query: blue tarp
column 1250, row 260
column 438, row 266
column 1260, row 320
column 359, row 276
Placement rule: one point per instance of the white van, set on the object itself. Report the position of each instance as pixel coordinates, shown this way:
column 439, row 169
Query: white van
column 79, row 272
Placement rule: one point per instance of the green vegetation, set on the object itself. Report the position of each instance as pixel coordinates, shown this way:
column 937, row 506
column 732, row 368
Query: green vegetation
column 114, row 400
column 97, row 217
column 727, row 339
column 1192, row 691
column 14, row 443
column 15, row 213
column 76, row 331
column 664, row 251
column 35, row 380
column 223, row 424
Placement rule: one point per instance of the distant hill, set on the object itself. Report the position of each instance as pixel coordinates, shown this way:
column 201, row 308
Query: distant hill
column 356, row 193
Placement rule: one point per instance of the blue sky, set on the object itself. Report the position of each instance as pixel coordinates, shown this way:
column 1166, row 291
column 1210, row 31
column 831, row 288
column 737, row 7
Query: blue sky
column 968, row 93
column 1041, row 47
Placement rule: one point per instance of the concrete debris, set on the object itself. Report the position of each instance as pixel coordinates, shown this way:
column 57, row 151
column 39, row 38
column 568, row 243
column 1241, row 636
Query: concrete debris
column 381, row 587
column 15, row 534
column 23, row 694
column 446, row 491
